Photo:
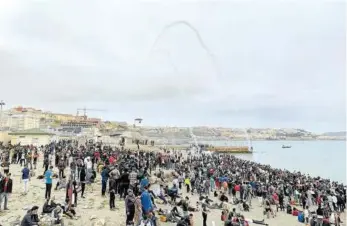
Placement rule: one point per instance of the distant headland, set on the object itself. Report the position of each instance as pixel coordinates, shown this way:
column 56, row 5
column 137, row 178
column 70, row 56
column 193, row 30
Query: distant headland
column 26, row 118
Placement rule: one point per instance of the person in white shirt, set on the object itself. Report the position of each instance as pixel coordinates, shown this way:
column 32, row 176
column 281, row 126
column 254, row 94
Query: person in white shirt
column 306, row 215
column 332, row 219
column 334, row 201
column 330, row 201
column 175, row 182
column 89, row 168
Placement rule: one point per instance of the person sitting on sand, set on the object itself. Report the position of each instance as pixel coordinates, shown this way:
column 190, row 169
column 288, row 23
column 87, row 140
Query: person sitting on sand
column 61, row 183
column 162, row 194
column 69, row 209
column 185, row 221
column 268, row 210
column 30, row 218
column 49, row 205
column 245, row 207
column 57, row 215
column 223, row 198
column 173, row 193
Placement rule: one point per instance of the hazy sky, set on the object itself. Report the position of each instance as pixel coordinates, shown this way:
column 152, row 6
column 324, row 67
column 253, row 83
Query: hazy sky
column 275, row 64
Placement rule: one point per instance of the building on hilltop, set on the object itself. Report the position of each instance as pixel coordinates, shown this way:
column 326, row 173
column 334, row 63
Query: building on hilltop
column 24, row 122
column 15, row 120
column 92, row 122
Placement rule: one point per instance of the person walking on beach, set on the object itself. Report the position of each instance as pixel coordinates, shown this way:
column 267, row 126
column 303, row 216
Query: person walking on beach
column 28, row 159
column 61, row 166
column 25, row 178
column 204, row 216
column 187, row 183
column 82, row 177
column 35, row 158
column 48, row 180
column 5, row 190
column 22, row 158
column 45, row 164
column 130, row 206
column 104, row 179
column 112, row 193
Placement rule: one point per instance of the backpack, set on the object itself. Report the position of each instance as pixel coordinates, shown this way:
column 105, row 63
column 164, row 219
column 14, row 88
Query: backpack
column 171, row 192
column 301, row 217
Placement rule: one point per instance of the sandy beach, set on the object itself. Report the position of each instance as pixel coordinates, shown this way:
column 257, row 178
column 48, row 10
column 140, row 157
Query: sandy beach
column 94, row 210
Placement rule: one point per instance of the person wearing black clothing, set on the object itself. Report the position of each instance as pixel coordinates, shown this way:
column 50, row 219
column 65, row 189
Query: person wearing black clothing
column 204, row 216
column 31, row 217
column 185, row 221
column 5, row 190
column 45, row 164
column 319, row 211
column 56, row 159
column 112, row 190
column 124, row 183
column 224, row 198
column 61, row 167
column 281, row 202
column 130, row 207
column 35, row 156
column 74, row 192
column 49, row 206
column 83, row 180
column 320, row 215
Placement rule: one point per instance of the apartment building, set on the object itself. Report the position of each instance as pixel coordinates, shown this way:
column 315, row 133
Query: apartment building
column 20, row 119
column 23, row 122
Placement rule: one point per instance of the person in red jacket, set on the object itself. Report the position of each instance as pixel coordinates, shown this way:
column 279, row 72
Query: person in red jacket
column 96, row 156
column 111, row 159
column 5, row 190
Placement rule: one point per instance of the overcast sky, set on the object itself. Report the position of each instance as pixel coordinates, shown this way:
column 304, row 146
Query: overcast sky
column 251, row 64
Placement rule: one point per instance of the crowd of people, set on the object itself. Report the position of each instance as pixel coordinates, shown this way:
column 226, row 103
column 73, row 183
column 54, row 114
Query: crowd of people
column 161, row 186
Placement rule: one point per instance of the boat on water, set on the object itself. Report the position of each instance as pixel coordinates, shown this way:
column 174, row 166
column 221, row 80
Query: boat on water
column 286, row 146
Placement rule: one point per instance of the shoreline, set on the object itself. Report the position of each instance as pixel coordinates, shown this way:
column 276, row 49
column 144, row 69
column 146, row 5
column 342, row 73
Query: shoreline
column 278, row 139
column 249, row 156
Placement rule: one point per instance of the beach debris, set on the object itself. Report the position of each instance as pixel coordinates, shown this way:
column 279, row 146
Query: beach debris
column 13, row 220
column 103, row 204
column 92, row 217
column 26, row 207
column 87, row 207
column 100, row 222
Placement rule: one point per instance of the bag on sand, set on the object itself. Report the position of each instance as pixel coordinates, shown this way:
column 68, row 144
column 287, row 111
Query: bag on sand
column 145, row 223
column 301, row 217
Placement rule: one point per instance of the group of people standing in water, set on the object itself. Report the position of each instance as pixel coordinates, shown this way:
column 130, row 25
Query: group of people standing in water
column 151, row 182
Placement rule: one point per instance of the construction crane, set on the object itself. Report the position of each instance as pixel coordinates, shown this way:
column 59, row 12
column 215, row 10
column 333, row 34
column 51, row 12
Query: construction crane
column 85, row 111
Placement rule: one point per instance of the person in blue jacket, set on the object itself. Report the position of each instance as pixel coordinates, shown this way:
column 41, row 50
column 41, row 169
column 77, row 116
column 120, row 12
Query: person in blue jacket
column 104, row 178
column 146, row 201
column 143, row 183
column 147, row 205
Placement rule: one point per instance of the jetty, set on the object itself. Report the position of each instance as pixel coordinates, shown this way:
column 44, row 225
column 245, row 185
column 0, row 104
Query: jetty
column 231, row 149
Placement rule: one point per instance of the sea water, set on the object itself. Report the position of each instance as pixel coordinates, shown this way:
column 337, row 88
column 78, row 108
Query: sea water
column 326, row 159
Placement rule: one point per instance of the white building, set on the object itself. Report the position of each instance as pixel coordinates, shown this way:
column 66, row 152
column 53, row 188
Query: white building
column 23, row 122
